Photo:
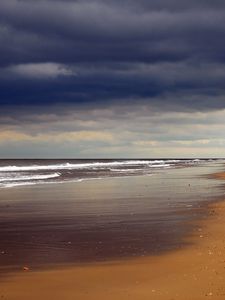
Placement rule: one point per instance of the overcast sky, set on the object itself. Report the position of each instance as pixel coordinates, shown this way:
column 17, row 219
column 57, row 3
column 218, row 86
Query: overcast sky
column 112, row 78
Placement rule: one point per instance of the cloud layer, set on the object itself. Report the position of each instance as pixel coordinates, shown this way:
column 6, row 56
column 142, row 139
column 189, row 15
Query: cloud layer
column 117, row 77
column 116, row 50
column 112, row 131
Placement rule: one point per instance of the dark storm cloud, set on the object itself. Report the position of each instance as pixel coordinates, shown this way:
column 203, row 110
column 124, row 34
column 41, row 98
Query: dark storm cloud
column 166, row 53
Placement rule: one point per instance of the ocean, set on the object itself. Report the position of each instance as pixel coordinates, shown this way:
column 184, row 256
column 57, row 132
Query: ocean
column 30, row 172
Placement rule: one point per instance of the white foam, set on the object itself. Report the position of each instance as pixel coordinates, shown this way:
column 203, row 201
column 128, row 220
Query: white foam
column 25, row 183
column 125, row 170
column 70, row 166
column 30, row 177
column 9, row 185
column 79, row 180
column 161, row 166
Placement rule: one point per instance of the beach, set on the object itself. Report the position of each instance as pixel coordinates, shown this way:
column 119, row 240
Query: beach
column 189, row 264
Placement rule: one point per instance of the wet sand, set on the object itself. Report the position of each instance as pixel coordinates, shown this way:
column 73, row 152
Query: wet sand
column 196, row 271
column 103, row 220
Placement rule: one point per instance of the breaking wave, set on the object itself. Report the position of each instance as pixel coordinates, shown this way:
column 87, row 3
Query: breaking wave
column 30, row 172
column 68, row 166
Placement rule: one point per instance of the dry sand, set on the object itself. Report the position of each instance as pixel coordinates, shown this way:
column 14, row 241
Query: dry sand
column 196, row 272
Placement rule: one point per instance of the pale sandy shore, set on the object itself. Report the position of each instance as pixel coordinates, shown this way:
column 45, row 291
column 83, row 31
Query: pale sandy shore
column 196, row 271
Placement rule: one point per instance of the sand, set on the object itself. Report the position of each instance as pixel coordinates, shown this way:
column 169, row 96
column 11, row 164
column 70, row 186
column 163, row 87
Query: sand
column 196, row 271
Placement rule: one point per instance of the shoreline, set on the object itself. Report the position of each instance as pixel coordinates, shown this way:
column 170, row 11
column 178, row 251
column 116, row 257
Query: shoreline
column 195, row 271
column 103, row 220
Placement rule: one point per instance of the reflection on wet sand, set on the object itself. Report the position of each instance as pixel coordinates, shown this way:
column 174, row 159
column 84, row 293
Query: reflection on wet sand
column 101, row 220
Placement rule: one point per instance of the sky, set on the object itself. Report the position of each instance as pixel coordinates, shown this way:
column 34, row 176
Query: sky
column 112, row 79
